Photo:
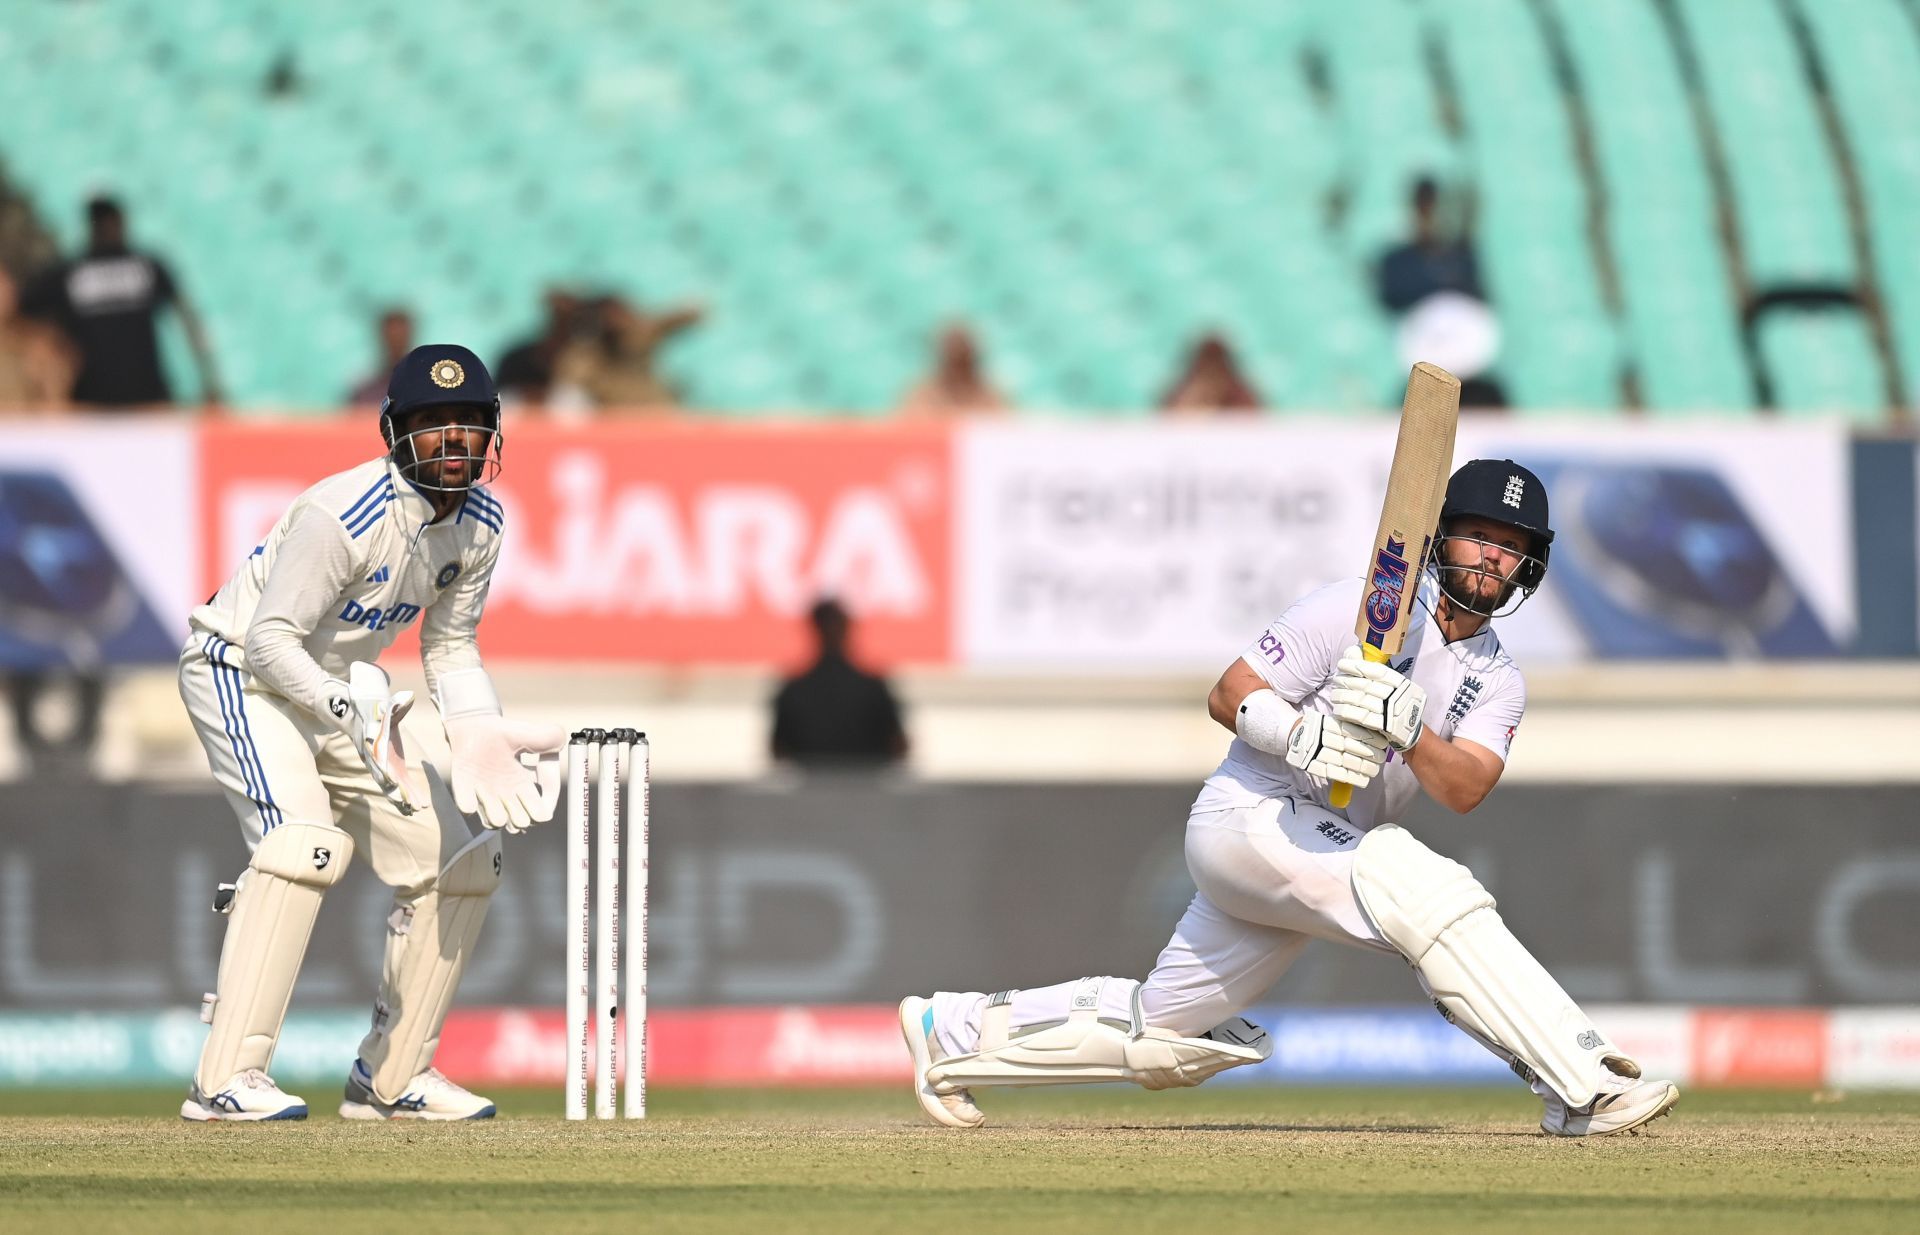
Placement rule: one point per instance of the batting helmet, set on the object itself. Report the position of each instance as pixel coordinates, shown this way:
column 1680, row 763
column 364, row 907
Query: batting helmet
column 1505, row 492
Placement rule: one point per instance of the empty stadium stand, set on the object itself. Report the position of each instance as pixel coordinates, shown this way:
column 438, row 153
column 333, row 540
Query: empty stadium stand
column 1091, row 185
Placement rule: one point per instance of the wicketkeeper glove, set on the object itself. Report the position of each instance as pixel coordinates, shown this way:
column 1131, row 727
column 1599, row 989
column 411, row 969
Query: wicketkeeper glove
column 368, row 711
column 1375, row 696
column 1323, row 745
column 492, row 775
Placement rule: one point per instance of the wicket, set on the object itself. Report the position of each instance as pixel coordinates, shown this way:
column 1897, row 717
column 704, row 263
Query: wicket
column 615, row 808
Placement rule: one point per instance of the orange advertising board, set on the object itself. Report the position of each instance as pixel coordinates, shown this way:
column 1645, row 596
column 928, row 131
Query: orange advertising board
column 681, row 543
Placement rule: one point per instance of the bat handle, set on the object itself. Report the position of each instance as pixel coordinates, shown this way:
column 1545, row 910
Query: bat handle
column 1342, row 793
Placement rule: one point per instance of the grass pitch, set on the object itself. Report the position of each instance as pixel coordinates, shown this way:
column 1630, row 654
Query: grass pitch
column 1108, row 1159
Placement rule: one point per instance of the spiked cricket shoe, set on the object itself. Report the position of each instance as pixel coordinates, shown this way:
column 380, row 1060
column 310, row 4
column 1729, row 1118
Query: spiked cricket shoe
column 249, row 1096
column 954, row 1110
column 1628, row 1108
column 430, row 1095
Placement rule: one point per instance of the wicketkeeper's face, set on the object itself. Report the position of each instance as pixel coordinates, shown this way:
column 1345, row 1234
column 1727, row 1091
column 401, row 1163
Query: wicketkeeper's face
column 448, row 444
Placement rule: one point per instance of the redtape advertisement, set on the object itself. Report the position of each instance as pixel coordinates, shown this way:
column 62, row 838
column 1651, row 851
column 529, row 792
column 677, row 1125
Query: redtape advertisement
column 859, row 1044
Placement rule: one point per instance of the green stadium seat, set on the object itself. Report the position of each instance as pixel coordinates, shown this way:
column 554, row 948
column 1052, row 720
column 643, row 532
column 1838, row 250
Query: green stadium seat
column 1870, row 50
column 1679, row 332
column 1822, row 362
column 1790, row 215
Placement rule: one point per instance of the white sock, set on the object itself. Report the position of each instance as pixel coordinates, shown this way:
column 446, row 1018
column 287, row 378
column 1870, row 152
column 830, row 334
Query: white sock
column 956, row 1021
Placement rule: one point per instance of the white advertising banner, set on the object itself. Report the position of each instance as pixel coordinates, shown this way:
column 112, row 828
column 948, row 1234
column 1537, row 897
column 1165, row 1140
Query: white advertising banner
column 1165, row 547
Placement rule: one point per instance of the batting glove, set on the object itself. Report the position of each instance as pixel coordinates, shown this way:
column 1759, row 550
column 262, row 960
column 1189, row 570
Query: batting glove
column 1379, row 698
column 1327, row 746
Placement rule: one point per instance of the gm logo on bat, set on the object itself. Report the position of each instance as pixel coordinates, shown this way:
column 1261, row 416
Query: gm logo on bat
column 1389, row 586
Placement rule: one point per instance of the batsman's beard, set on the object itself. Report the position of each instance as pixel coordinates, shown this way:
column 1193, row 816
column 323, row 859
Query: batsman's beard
column 1464, row 585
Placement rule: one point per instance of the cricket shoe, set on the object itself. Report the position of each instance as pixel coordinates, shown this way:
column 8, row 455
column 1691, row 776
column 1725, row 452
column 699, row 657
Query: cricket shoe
column 1625, row 1104
column 249, row 1096
column 956, row 1109
column 429, row 1095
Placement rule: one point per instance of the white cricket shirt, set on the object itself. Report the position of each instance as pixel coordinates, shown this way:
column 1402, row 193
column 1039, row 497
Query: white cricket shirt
column 352, row 563
column 1474, row 691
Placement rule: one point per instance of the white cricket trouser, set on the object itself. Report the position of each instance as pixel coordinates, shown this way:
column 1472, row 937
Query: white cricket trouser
column 1271, row 877
column 278, row 764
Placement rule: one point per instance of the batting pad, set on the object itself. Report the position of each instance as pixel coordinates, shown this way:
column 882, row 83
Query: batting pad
column 427, row 948
column 1085, row 1050
column 267, row 934
column 1442, row 920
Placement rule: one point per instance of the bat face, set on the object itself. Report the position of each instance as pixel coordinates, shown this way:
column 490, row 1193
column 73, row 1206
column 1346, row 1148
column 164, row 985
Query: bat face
column 1416, row 486
column 1386, row 595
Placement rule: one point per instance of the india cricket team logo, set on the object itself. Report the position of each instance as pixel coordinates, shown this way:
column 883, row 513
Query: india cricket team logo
column 1389, row 588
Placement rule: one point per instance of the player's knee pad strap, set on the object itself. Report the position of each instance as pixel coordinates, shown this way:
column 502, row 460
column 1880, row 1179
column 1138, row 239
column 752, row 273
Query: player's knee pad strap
column 427, row 950
column 267, row 933
column 1438, row 916
column 1084, row 1050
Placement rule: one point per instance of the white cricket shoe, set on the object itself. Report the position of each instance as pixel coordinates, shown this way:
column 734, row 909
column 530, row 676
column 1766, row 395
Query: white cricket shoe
column 956, row 1109
column 429, row 1095
column 248, row 1096
column 1624, row 1104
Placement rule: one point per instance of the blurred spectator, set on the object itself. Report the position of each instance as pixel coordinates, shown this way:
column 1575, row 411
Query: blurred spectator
column 1433, row 283
column 836, row 715
column 395, row 341
column 525, row 374
column 957, row 385
column 1212, row 382
column 107, row 301
column 36, row 365
column 1430, row 262
column 283, row 77
column 610, row 358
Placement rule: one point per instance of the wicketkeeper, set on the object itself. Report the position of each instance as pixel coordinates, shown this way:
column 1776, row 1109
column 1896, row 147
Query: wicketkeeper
column 1278, row 866
column 307, row 739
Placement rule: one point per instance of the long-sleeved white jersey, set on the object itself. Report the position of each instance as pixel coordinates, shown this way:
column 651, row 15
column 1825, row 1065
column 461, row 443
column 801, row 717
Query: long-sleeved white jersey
column 353, row 562
column 1474, row 691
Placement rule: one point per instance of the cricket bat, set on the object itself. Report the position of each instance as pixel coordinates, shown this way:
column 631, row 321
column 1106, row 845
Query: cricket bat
column 1416, row 486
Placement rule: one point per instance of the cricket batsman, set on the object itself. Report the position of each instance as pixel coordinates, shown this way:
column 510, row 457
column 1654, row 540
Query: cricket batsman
column 1277, row 866
column 305, row 735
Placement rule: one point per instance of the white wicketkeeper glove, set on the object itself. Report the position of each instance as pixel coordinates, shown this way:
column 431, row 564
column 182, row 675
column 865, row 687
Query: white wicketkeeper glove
column 1374, row 695
column 368, row 711
column 505, row 771
column 1322, row 745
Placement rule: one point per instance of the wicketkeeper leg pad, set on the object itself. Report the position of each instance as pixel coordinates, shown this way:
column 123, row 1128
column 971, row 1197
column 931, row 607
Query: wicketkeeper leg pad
column 270, row 922
column 428, row 943
column 1482, row 979
column 1086, row 1049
